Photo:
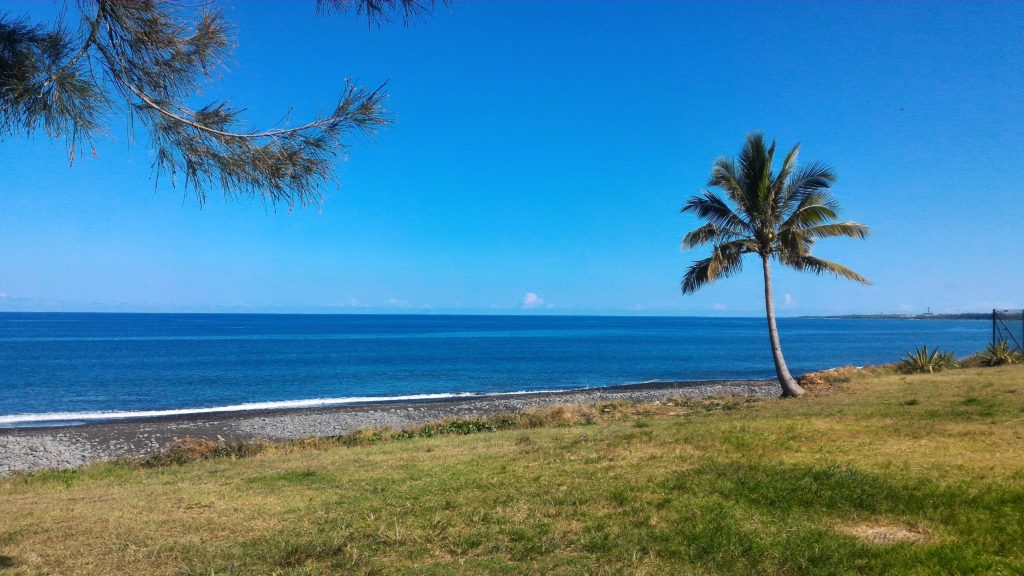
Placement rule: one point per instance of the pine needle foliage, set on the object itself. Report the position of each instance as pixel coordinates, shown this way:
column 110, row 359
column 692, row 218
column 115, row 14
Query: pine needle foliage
column 381, row 11
column 151, row 59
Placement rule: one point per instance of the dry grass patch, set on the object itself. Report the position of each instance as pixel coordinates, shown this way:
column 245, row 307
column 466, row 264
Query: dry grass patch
column 828, row 381
column 886, row 533
column 565, row 415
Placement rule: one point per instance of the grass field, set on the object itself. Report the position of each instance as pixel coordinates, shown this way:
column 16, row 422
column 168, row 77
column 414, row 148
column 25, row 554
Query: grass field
column 883, row 474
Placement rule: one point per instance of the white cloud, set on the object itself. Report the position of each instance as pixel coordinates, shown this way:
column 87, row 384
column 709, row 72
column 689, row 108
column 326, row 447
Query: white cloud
column 719, row 306
column 398, row 302
column 787, row 299
column 532, row 300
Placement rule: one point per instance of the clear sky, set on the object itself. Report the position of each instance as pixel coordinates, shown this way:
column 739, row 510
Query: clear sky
column 540, row 156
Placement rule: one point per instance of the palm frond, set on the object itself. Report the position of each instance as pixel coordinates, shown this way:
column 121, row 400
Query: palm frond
column 707, row 234
column 764, row 186
column 837, row 229
column 779, row 183
column 792, row 244
column 712, row 208
column 726, row 260
column 814, row 208
column 819, row 266
column 696, row 276
column 752, row 157
column 725, row 176
column 815, row 178
column 753, row 164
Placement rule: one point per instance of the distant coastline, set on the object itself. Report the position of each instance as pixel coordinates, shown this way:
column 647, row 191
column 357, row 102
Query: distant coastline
column 925, row 316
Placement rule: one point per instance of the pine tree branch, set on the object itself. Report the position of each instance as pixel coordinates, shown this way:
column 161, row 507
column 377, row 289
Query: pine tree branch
column 114, row 67
column 94, row 29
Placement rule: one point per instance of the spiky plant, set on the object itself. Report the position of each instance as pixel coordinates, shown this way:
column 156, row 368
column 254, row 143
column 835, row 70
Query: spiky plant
column 999, row 354
column 773, row 215
column 921, row 360
column 151, row 58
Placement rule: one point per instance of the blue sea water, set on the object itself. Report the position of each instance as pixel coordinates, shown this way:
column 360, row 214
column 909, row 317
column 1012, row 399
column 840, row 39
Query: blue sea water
column 77, row 367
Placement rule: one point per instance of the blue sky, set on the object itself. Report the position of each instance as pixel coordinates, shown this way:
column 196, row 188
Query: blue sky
column 539, row 158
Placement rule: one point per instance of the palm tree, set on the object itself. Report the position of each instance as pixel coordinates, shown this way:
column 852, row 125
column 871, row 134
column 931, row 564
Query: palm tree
column 777, row 216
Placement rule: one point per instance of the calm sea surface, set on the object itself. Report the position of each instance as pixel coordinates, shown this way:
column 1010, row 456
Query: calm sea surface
column 71, row 367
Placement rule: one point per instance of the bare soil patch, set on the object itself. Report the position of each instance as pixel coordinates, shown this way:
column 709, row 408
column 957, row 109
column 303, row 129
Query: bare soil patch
column 884, row 534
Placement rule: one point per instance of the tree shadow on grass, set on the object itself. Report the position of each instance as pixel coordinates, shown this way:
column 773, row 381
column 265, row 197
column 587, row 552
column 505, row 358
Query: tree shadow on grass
column 781, row 518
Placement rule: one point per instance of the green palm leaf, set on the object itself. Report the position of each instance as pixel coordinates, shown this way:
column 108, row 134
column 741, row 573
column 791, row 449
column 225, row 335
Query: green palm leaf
column 725, row 176
column 707, row 234
column 837, row 229
column 814, row 208
column 726, row 260
column 712, row 208
column 817, row 178
column 818, row 266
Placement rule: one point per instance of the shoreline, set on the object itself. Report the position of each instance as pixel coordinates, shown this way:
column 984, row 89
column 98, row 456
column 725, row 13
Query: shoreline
column 34, row 448
column 244, row 410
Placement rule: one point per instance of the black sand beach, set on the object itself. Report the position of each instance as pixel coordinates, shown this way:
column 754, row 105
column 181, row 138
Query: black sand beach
column 61, row 447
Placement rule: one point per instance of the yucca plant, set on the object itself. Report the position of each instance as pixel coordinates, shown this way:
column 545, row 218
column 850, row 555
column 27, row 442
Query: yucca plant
column 999, row 354
column 921, row 360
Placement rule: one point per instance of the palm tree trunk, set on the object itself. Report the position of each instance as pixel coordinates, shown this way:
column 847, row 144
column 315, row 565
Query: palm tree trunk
column 789, row 386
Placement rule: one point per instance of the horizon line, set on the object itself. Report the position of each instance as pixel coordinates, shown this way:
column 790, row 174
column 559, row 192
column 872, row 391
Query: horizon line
column 509, row 313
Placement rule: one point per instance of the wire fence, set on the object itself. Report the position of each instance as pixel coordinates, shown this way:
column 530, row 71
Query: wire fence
column 1008, row 326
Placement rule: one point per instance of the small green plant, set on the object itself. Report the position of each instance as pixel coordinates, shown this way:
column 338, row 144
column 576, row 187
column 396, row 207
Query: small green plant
column 999, row 354
column 921, row 360
column 190, row 449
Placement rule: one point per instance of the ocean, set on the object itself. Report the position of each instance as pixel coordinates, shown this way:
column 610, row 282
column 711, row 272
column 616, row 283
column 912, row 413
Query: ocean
column 75, row 368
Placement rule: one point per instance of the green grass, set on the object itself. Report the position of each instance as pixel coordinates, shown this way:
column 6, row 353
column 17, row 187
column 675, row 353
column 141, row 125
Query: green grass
column 724, row 487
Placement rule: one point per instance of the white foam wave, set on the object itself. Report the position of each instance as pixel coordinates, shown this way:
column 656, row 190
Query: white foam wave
column 249, row 406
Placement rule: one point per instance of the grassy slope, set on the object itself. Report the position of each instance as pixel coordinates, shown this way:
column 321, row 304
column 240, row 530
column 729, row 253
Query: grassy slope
column 772, row 488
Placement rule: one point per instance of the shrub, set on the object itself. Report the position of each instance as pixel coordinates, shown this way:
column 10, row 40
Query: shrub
column 456, row 426
column 191, row 449
column 364, row 437
column 569, row 415
column 920, row 360
column 999, row 354
column 832, row 377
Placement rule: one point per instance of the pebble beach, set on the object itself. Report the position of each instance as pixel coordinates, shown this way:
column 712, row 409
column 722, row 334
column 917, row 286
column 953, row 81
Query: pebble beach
column 63, row 447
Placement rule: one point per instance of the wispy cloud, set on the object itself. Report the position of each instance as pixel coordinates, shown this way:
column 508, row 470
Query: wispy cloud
column 719, row 306
column 787, row 299
column 532, row 301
